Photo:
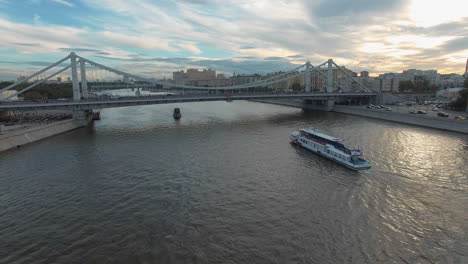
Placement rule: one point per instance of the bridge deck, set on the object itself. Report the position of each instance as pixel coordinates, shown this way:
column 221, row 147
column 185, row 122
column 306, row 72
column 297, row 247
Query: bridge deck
column 128, row 101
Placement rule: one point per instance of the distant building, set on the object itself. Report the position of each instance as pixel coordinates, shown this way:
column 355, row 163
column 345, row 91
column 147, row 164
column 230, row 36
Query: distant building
column 450, row 93
column 364, row 74
column 450, row 80
column 243, row 79
column 59, row 79
column 181, row 77
column 5, row 94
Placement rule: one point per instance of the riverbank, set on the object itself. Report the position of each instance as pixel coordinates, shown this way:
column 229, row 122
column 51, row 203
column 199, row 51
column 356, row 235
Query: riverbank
column 19, row 137
column 418, row 120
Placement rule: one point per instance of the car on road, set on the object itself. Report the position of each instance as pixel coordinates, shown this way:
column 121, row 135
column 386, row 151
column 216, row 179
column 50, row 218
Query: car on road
column 386, row 108
column 435, row 109
column 421, row 112
column 459, row 118
column 413, row 111
column 442, row 114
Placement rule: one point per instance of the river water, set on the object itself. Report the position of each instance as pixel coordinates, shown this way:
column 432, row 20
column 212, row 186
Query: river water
column 224, row 185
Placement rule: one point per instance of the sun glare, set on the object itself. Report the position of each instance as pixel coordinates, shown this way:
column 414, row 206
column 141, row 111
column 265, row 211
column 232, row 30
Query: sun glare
column 428, row 13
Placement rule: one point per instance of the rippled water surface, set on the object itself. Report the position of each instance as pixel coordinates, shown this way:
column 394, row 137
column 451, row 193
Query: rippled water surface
column 223, row 185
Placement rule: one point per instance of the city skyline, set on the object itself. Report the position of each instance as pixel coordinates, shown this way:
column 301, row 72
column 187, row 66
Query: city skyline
column 159, row 37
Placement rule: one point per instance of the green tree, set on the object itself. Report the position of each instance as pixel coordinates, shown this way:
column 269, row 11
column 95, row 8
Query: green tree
column 460, row 103
column 296, row 87
column 405, row 86
column 33, row 95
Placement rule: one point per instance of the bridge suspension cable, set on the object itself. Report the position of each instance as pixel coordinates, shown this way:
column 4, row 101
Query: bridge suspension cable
column 34, row 74
column 242, row 86
column 352, row 78
column 39, row 82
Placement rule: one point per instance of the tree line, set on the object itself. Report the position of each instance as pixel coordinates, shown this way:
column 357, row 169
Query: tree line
column 461, row 102
column 418, row 86
column 43, row 91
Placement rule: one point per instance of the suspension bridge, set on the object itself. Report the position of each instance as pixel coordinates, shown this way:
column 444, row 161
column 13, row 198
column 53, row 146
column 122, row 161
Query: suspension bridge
column 93, row 83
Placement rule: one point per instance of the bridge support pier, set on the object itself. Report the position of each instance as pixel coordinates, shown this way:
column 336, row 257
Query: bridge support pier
column 4, row 115
column 82, row 117
column 324, row 105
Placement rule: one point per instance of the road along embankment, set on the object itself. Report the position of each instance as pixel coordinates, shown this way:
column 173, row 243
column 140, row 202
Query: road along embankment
column 413, row 119
column 16, row 138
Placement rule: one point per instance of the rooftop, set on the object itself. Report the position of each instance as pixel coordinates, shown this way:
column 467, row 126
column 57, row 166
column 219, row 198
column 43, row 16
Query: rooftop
column 314, row 131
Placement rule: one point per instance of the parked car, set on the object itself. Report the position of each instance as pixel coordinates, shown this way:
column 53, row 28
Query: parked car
column 413, row 111
column 459, row 118
column 370, row 106
column 442, row 114
column 435, row 109
column 421, row 112
column 386, row 108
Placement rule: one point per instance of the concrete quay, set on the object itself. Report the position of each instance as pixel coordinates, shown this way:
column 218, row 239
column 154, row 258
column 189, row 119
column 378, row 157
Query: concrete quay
column 413, row 119
column 20, row 137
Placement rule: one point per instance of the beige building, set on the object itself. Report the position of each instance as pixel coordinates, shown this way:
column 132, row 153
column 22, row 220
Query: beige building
column 5, row 94
column 181, row 77
column 244, row 79
column 216, row 82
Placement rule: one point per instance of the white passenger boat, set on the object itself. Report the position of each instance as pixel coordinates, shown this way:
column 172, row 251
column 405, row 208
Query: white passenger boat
column 330, row 147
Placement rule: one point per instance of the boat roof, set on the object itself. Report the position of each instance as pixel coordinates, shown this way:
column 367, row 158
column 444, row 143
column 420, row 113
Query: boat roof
column 314, row 131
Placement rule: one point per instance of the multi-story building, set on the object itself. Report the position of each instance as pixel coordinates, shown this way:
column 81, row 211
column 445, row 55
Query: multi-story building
column 244, row 79
column 181, row 77
column 450, row 80
column 215, row 82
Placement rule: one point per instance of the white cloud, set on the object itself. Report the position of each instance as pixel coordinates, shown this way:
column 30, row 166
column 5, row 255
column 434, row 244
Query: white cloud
column 144, row 42
column 433, row 12
column 63, row 2
column 189, row 46
column 26, row 38
column 373, row 35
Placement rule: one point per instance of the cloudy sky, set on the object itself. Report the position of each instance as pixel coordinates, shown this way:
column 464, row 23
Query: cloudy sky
column 156, row 37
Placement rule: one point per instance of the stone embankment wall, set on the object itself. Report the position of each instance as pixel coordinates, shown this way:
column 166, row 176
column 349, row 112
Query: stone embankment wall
column 13, row 139
column 391, row 98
